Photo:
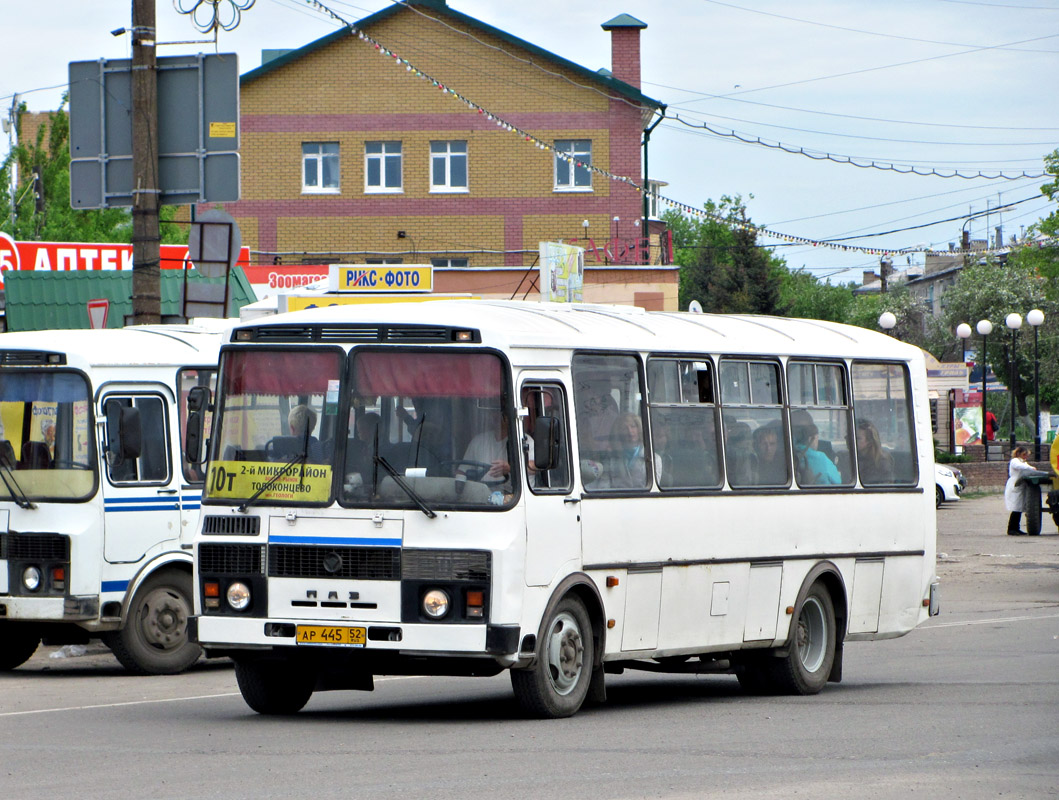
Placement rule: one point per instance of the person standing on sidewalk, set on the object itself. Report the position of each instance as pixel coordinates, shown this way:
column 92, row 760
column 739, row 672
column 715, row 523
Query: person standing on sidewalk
column 1015, row 494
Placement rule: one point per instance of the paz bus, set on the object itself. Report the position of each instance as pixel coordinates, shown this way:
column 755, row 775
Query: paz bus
column 560, row 491
column 97, row 504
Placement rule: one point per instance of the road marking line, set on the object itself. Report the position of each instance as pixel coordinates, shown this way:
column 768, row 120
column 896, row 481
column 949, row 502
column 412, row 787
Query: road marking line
column 162, row 700
column 989, row 621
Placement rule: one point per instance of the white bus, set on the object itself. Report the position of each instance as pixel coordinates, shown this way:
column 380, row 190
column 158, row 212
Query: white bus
column 97, row 505
column 561, row 492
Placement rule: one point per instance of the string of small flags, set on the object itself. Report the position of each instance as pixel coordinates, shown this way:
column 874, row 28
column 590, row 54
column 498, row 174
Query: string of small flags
column 576, row 162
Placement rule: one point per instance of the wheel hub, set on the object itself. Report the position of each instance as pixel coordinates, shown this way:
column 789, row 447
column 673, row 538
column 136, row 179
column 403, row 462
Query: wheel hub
column 165, row 619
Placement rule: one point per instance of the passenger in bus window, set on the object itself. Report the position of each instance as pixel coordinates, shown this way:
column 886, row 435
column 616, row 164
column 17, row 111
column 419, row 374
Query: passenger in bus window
column 302, row 421
column 876, row 464
column 814, row 467
column 625, row 467
column 771, row 463
column 739, row 456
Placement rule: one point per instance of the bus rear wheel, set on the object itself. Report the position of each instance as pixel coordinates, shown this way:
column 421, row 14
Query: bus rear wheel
column 154, row 640
column 557, row 683
column 811, row 651
column 272, row 686
column 18, row 643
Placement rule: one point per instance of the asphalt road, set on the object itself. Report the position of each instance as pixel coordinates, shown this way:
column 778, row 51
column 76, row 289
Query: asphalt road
column 966, row 706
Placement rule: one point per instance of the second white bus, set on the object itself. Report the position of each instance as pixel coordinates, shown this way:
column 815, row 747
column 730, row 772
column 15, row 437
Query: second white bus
column 468, row 487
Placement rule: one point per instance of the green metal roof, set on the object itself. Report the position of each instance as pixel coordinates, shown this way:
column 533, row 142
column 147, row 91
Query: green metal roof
column 623, row 21
column 443, row 9
column 38, row 301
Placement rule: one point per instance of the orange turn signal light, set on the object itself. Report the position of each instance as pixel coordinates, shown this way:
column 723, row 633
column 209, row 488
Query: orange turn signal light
column 475, row 597
column 611, row 581
column 211, row 589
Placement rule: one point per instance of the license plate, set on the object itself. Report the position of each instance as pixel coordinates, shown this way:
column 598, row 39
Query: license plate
column 331, row 635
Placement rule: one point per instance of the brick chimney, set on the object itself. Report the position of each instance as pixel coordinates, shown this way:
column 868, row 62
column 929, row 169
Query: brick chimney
column 625, row 48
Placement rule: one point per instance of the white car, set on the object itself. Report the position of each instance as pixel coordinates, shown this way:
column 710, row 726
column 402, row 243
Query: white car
column 947, row 484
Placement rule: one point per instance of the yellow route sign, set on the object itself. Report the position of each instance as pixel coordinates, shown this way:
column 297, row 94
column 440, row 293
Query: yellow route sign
column 238, row 480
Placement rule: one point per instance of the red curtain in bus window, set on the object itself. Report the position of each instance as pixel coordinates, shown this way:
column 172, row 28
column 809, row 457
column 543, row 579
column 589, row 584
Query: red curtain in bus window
column 426, row 374
column 280, row 371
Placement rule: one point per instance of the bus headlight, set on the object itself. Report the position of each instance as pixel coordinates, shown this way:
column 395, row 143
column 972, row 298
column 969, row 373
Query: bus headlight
column 436, row 603
column 238, row 596
column 31, row 578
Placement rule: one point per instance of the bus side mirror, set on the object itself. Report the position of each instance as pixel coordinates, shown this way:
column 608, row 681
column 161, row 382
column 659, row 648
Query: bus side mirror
column 198, row 402
column 546, row 442
column 124, row 432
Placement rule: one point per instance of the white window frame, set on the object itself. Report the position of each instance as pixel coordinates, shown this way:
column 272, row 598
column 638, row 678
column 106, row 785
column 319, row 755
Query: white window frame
column 577, row 150
column 443, row 152
column 319, row 157
column 389, row 150
column 457, row 263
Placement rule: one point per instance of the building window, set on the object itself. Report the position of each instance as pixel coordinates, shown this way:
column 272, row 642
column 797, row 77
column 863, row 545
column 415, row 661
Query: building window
column 383, row 260
column 448, row 166
column 654, row 189
column 320, row 168
column 382, row 166
column 573, row 158
column 448, row 262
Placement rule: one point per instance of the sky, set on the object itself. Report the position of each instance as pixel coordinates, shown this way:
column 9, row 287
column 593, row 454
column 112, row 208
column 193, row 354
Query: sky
column 941, row 85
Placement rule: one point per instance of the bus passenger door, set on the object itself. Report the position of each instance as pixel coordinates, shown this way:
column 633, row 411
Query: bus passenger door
column 141, row 493
column 553, row 517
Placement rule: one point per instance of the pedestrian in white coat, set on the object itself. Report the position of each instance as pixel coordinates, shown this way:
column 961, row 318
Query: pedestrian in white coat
column 1015, row 493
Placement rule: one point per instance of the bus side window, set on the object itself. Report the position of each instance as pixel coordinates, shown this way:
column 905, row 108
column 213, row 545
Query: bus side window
column 152, row 463
column 546, row 401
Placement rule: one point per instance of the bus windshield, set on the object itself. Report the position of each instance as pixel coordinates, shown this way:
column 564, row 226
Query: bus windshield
column 417, row 428
column 46, row 450
column 276, row 407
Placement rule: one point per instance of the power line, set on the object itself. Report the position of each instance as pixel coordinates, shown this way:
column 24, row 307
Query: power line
column 901, row 169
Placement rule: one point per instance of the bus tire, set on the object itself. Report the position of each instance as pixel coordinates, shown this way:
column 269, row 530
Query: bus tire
column 18, row 642
column 154, row 639
column 556, row 684
column 811, row 651
column 272, row 686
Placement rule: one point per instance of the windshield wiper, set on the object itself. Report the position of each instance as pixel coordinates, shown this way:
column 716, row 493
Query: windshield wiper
column 283, row 471
column 422, row 506
column 16, row 493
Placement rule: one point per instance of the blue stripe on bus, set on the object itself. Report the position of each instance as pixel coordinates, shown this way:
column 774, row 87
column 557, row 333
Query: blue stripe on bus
column 116, row 509
column 114, row 586
column 334, row 540
column 142, row 499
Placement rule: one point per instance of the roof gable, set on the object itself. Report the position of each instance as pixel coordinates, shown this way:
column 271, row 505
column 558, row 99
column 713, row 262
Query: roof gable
column 440, row 7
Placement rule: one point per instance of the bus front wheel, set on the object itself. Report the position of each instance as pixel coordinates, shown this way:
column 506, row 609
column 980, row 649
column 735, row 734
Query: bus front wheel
column 557, row 683
column 17, row 643
column 154, row 640
column 811, row 651
column 272, row 686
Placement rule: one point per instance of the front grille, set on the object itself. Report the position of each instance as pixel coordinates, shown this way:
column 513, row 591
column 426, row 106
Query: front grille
column 446, row 565
column 35, row 546
column 230, row 559
column 231, row 526
column 364, row 563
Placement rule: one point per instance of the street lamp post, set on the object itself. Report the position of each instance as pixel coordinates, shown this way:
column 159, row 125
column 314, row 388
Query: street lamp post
column 984, row 328
column 963, row 330
column 887, row 321
column 1036, row 319
column 1014, row 322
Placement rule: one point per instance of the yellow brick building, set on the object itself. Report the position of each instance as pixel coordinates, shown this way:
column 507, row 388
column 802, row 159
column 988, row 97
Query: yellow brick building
column 399, row 147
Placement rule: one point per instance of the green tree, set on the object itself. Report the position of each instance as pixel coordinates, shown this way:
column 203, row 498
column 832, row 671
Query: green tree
column 722, row 265
column 804, row 295
column 56, row 221
column 992, row 291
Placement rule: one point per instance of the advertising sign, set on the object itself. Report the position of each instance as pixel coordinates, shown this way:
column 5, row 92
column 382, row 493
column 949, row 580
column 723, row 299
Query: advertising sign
column 382, row 278
column 562, row 272
column 967, row 418
column 71, row 256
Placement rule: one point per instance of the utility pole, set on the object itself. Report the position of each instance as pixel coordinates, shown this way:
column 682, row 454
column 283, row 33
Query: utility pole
column 146, row 277
column 11, row 129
